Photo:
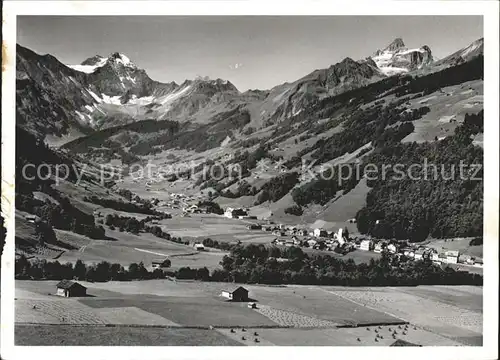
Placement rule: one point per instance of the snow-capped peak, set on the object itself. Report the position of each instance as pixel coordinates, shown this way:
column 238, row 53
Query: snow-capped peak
column 396, row 45
column 396, row 58
column 474, row 47
column 122, row 59
column 92, row 64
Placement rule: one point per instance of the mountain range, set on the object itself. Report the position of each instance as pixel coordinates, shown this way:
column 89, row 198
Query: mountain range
column 102, row 92
column 398, row 106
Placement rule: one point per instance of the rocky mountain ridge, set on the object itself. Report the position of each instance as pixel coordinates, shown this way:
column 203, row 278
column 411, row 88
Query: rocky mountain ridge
column 103, row 92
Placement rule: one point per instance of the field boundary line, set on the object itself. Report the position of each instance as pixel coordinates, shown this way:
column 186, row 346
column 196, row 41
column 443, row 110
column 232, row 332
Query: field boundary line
column 367, row 306
column 201, row 327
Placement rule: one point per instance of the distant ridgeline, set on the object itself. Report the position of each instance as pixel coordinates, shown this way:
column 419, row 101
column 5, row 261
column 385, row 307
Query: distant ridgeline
column 163, row 135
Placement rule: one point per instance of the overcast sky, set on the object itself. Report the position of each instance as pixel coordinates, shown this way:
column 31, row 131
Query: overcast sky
column 253, row 52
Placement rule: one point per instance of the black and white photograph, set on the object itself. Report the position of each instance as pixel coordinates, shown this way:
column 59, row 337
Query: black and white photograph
column 269, row 180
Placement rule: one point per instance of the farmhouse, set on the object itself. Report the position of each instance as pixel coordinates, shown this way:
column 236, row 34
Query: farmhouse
column 311, row 242
column 247, row 217
column 378, row 248
column 289, row 242
column 70, row 288
column 419, row 254
column 157, row 264
column 199, row 246
column 465, row 259
column 365, row 245
column 408, row 252
column 320, row 232
column 233, row 213
column 392, row 248
column 435, row 256
column 452, row 256
column 238, row 294
column 32, row 218
column 229, row 213
column 280, row 241
column 340, row 236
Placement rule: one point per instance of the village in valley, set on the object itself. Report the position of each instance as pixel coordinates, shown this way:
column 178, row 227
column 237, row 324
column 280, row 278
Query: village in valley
column 193, row 213
column 339, row 242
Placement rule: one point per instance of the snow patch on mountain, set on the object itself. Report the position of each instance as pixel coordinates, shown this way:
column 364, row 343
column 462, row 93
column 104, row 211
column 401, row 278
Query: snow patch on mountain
column 124, row 60
column 89, row 69
column 89, row 66
column 145, row 100
column 114, row 100
column 475, row 46
column 167, row 99
column 398, row 59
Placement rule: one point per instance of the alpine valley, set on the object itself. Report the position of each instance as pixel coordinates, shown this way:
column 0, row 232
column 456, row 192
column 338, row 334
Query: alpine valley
column 399, row 105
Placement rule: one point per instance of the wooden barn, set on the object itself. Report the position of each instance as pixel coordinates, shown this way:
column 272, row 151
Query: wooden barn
column 238, row 294
column 70, row 288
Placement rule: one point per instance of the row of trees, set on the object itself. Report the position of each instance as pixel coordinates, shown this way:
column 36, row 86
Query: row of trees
column 258, row 264
column 212, row 207
column 140, row 208
column 294, row 210
column 266, row 265
column 103, row 271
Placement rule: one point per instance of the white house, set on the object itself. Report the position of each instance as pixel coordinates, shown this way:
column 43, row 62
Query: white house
column 289, row 242
column 392, row 248
column 419, row 254
column 452, row 256
column 435, row 256
column 378, row 248
column 199, row 246
column 280, row 241
column 320, row 232
column 32, row 218
column 365, row 245
column 311, row 242
column 229, row 213
column 233, row 213
column 238, row 294
column 465, row 259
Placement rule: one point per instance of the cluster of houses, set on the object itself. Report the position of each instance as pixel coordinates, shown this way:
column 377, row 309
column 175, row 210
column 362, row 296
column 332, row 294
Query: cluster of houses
column 322, row 239
column 319, row 239
column 420, row 253
column 178, row 200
